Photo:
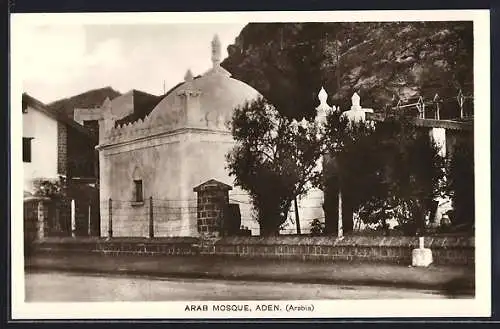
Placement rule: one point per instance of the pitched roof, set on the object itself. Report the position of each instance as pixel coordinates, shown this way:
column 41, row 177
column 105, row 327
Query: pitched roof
column 212, row 184
column 56, row 115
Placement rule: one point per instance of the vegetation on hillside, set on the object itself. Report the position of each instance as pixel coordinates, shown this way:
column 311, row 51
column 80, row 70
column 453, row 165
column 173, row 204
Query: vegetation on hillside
column 89, row 99
column 383, row 61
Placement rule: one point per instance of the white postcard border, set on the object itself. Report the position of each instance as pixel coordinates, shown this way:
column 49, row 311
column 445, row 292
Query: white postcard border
column 477, row 307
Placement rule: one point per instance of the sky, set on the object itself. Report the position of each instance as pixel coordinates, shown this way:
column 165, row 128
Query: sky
column 71, row 59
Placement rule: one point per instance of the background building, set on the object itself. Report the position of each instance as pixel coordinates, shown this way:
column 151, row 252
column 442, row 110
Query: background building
column 55, row 146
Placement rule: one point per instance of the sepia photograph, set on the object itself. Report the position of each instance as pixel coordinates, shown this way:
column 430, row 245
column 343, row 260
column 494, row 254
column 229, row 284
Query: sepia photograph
column 250, row 165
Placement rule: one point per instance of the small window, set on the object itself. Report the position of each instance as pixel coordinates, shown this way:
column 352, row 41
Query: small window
column 92, row 125
column 27, row 149
column 138, row 191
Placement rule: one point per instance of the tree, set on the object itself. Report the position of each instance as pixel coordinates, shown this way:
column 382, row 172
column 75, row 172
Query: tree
column 56, row 190
column 461, row 183
column 391, row 171
column 352, row 168
column 412, row 175
column 317, row 227
column 274, row 160
column 59, row 193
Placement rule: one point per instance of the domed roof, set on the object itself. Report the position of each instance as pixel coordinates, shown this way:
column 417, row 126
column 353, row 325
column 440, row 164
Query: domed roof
column 205, row 101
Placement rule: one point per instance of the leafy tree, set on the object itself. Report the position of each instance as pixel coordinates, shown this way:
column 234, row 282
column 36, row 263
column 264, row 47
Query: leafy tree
column 56, row 190
column 274, row 160
column 461, row 182
column 413, row 172
column 391, row 171
column 317, row 227
column 351, row 166
column 413, row 175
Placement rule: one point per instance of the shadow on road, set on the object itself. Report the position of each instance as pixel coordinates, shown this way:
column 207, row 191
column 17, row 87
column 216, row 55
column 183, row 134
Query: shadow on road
column 458, row 288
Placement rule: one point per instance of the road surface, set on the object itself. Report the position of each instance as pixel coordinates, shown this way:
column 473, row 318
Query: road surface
column 70, row 287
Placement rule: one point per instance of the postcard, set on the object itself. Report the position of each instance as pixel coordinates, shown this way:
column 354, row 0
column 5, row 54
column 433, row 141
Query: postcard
column 237, row 165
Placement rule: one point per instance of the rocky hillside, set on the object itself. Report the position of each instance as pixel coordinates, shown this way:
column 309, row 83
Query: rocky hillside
column 88, row 99
column 384, row 62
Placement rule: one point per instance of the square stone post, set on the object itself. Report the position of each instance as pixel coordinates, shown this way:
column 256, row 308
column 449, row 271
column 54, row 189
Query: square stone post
column 212, row 207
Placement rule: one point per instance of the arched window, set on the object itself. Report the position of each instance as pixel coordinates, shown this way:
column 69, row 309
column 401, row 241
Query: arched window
column 138, row 187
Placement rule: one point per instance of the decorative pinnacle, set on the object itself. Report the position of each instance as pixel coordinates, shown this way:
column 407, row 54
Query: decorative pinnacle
column 216, row 51
column 355, row 100
column 106, row 102
column 323, row 96
column 188, row 76
column 323, row 108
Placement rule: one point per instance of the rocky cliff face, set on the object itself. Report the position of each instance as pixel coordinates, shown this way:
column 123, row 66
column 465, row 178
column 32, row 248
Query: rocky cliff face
column 384, row 62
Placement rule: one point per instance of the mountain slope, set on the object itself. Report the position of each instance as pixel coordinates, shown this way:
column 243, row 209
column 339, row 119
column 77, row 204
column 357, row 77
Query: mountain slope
column 384, row 62
column 88, row 99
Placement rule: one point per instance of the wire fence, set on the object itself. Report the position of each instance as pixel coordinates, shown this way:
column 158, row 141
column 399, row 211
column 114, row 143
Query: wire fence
column 156, row 216
column 152, row 215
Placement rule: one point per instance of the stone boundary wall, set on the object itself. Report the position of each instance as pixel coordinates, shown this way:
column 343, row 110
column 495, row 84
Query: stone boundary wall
column 396, row 250
column 445, row 250
column 136, row 246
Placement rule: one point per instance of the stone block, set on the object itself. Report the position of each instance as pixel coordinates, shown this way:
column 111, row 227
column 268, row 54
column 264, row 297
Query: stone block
column 421, row 257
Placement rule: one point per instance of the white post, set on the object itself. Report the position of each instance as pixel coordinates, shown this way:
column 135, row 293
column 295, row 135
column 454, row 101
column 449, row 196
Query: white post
column 89, row 229
column 421, row 256
column 339, row 224
column 73, row 218
column 41, row 221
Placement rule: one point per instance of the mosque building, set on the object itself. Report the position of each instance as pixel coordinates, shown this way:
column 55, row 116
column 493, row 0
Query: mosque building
column 160, row 157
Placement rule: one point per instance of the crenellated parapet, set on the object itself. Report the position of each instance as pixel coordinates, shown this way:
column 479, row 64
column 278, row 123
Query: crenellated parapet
column 133, row 130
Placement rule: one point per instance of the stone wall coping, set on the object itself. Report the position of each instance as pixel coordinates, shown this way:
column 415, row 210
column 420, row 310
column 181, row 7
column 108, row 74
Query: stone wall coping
column 404, row 241
column 118, row 240
column 410, row 242
column 35, row 198
column 446, row 250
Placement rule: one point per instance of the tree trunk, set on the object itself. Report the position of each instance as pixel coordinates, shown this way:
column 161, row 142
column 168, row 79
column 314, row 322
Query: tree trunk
column 267, row 230
column 270, row 225
column 421, row 220
column 297, row 219
column 330, row 207
column 347, row 213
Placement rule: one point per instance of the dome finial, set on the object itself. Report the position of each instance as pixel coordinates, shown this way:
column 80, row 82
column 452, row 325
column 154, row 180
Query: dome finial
column 216, row 51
